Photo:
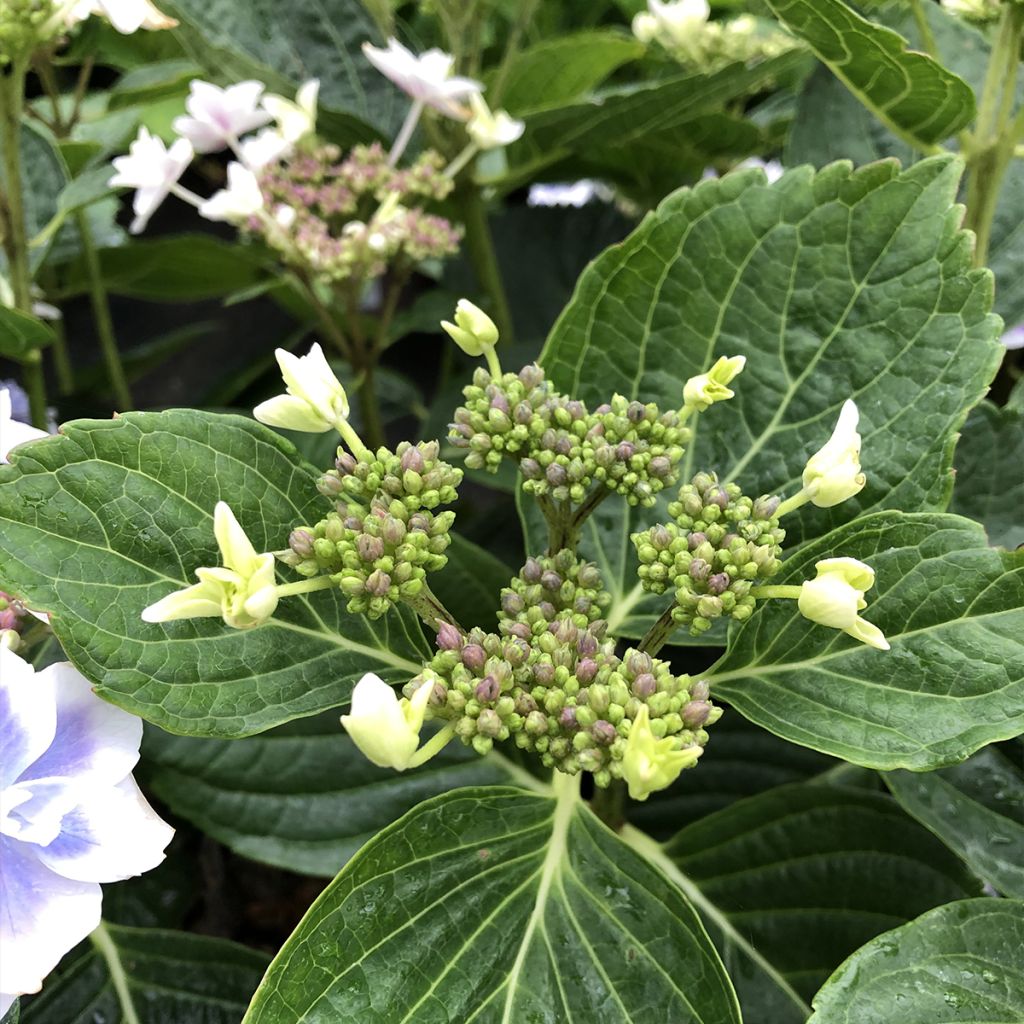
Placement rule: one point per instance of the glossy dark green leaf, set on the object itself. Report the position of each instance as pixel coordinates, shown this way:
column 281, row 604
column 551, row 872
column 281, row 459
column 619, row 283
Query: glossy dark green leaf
column 956, row 963
column 793, row 880
column 990, row 472
column 148, row 976
column 977, row 810
column 490, row 905
column 915, row 96
column 301, row 796
column 115, row 514
column 953, row 610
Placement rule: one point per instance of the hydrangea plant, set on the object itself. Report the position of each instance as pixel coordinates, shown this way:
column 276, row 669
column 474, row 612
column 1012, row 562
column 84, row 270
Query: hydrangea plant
column 736, row 734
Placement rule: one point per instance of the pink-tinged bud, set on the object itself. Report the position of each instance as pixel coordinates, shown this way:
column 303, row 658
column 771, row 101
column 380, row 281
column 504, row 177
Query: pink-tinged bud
column 523, row 413
column 488, row 723
column 635, row 412
column 603, row 409
column 604, row 733
column 589, row 576
column 378, row 583
column 369, row 548
column 412, row 460
column 700, row 690
column 550, row 580
column 301, row 542
column 555, row 474
column 587, row 644
column 474, row 657
column 567, row 718
column 532, row 376
column 586, row 669
column 487, row 690
column 547, row 610
column 393, row 531
column 511, row 603
column 719, row 583
column 532, row 571
column 699, row 570
column 695, row 714
column 661, row 537
column 525, row 704
column 530, row 468
column 520, row 630
column 625, row 450
column 345, row 463
column 500, row 402
column 448, row 637
column 644, row 686
column 717, row 496
column 659, row 467
column 544, row 673
column 766, row 506
column 563, row 446
column 639, row 662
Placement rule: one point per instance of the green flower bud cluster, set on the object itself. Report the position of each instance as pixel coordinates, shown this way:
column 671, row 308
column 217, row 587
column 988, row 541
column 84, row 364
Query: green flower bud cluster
column 412, row 474
column 500, row 416
column 21, row 22
column 560, row 446
column 563, row 695
column 721, row 544
column 636, row 448
column 377, row 558
column 549, row 590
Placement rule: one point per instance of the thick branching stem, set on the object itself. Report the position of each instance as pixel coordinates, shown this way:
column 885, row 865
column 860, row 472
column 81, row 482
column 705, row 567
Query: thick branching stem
column 429, row 608
column 657, row 636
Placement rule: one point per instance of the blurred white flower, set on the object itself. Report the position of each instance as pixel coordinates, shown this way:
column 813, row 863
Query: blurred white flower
column 577, row 193
column 295, row 118
column 1014, row 337
column 268, row 147
column 13, row 432
column 127, row 16
column 71, row 815
column 488, row 129
column 427, row 78
column 152, row 170
column 239, row 201
column 670, row 23
column 218, row 117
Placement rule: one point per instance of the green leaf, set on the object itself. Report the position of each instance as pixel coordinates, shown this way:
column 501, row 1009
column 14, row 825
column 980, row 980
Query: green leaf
column 989, row 480
column 113, row 515
column 89, row 187
column 740, row 761
column 960, row 962
column 179, row 268
column 793, row 880
column 558, row 71
column 497, row 905
column 285, row 45
column 855, row 135
column 21, row 334
column 977, row 810
column 621, row 117
column 917, row 98
column 301, row 796
column 834, row 285
column 163, row 977
column 953, row 610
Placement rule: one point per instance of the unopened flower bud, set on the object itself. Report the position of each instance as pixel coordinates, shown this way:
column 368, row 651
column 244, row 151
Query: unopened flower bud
column 695, row 714
column 301, row 542
column 567, row 718
column 448, row 637
column 644, row 685
column 719, row 583
column 473, row 330
column 487, row 690
column 474, row 657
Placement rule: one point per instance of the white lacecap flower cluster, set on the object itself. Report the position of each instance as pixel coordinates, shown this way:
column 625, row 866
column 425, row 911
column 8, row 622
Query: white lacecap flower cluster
column 217, row 119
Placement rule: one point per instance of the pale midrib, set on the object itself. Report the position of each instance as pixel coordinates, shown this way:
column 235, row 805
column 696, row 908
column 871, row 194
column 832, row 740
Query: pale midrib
column 654, row 853
column 568, row 796
column 104, row 944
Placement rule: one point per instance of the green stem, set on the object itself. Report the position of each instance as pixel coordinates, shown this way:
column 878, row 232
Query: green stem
column 493, row 363
column 373, row 428
column 12, row 100
column 991, row 145
column 101, row 314
column 480, row 246
column 658, row 635
column 59, row 348
column 609, row 804
column 305, row 586
column 791, row 504
column 434, row 745
column 593, row 499
column 429, row 608
column 927, row 36
column 100, row 938
column 791, row 593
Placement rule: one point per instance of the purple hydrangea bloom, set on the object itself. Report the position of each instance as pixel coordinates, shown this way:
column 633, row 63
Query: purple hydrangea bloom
column 71, row 815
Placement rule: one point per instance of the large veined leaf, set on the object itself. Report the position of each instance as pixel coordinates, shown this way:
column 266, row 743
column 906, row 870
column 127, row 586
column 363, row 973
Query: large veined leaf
column 149, row 976
column 301, row 796
column 953, row 610
column 910, row 92
column 977, row 809
column 490, row 905
column 834, row 285
column 791, row 881
column 287, row 44
column 555, row 72
column 115, row 514
column 856, row 135
column 990, row 471
column 960, row 962
column 740, row 761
